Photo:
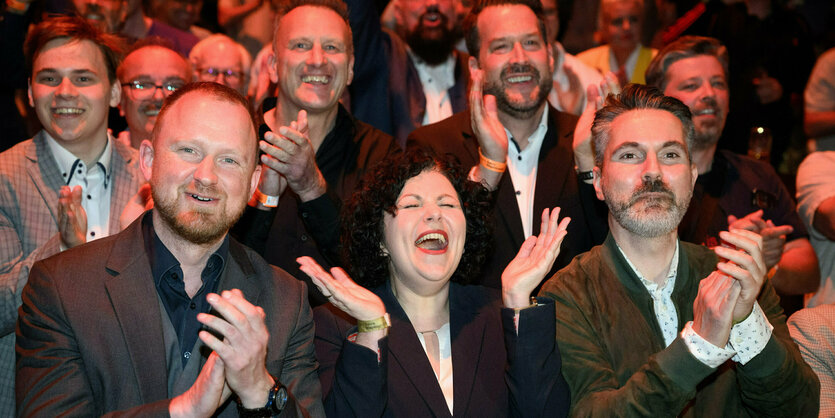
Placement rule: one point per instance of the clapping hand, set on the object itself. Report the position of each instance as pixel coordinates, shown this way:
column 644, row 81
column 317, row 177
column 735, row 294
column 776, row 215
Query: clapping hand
column 534, row 260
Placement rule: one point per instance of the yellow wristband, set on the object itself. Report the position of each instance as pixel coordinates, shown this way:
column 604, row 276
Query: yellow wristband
column 489, row 164
column 374, row 324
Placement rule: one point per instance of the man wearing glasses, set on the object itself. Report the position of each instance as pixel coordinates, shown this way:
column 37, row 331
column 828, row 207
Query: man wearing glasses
column 220, row 59
column 69, row 183
column 149, row 74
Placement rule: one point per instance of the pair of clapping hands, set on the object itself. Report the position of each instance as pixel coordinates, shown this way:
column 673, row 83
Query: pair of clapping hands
column 519, row 279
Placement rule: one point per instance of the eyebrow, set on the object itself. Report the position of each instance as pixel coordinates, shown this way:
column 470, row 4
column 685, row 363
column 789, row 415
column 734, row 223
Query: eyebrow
column 55, row 70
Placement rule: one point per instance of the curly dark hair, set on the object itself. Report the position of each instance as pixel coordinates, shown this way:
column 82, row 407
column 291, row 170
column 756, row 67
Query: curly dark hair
column 362, row 216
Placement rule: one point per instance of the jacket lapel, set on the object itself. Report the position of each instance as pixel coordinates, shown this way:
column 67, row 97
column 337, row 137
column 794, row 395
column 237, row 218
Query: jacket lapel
column 467, row 334
column 551, row 182
column 405, row 350
column 238, row 274
column 44, row 173
column 133, row 296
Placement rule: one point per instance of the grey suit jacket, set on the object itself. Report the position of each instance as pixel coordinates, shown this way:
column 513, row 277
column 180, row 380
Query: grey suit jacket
column 90, row 336
column 29, row 183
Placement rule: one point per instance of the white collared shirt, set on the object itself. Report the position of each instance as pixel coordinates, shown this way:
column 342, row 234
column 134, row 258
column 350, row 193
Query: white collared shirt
column 522, row 166
column 436, row 81
column 748, row 338
column 95, row 182
column 445, row 364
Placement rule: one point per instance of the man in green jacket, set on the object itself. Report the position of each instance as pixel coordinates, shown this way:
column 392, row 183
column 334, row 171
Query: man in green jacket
column 651, row 326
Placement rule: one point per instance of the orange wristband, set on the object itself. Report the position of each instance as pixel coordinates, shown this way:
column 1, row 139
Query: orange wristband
column 489, row 164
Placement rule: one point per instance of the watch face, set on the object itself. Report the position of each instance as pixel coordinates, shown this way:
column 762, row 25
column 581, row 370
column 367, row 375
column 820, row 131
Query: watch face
column 280, row 398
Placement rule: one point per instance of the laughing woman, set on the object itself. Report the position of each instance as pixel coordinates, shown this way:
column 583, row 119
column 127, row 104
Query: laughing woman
column 411, row 337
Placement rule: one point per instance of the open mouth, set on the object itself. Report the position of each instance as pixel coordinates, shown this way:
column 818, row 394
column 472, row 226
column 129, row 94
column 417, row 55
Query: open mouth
column 67, row 111
column 433, row 242
column 519, row 79
column 316, row 79
column 201, row 198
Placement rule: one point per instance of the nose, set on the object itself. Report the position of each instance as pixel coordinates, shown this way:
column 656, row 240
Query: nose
column 66, row 88
column 432, row 212
column 518, row 54
column 205, row 173
column 316, row 56
column 652, row 170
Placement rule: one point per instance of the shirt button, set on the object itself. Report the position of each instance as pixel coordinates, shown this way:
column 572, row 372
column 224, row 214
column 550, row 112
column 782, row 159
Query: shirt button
column 187, row 354
column 304, row 215
column 92, row 233
column 89, row 197
column 519, row 158
column 518, row 193
column 303, row 237
column 193, row 305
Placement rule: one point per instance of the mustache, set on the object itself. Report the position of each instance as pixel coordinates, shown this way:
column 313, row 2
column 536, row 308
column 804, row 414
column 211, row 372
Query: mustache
column 515, row 68
column 652, row 186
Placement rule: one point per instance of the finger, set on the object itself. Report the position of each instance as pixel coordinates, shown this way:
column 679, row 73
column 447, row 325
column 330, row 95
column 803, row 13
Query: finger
column 219, row 325
column 298, row 139
column 223, row 350
column 254, row 315
column 490, row 107
column 777, row 231
column 732, row 219
column 737, row 272
column 301, row 121
column 227, row 310
column 749, row 241
column 273, row 164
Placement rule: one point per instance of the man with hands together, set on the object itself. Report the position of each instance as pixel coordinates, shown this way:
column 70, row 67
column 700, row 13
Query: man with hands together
column 313, row 150
column 172, row 316
column 648, row 325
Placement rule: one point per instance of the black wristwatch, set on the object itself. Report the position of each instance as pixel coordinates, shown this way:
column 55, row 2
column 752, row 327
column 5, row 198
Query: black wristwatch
column 276, row 401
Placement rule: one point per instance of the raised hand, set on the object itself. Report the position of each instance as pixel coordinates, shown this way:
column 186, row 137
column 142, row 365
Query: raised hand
column 290, row 153
column 595, row 98
column 534, row 260
column 714, row 307
column 774, row 237
column 244, row 345
column 744, row 262
column 72, row 218
column 207, row 393
column 488, row 129
column 139, row 203
column 570, row 97
column 349, row 297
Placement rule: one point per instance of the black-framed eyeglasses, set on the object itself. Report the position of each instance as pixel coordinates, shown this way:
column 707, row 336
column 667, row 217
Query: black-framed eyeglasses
column 146, row 89
column 212, row 73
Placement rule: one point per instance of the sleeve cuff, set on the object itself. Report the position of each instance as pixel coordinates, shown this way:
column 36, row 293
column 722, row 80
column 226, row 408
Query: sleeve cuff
column 749, row 337
column 704, row 351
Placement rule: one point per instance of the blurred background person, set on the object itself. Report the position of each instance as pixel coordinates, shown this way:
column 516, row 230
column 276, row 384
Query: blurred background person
column 220, row 59
column 150, row 72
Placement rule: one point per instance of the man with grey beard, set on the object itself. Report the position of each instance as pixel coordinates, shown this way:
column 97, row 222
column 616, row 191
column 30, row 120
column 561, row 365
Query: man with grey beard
column 510, row 127
column 732, row 190
column 648, row 325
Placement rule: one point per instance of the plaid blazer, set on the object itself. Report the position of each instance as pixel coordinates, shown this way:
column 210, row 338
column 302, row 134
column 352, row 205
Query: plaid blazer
column 29, row 183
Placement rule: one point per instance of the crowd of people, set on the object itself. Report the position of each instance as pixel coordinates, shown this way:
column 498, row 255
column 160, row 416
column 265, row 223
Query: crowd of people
column 415, row 208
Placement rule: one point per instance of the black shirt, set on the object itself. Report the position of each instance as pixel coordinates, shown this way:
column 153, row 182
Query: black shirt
column 168, row 280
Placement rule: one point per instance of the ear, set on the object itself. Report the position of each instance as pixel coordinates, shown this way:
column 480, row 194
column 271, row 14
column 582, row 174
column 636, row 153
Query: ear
column 256, row 177
column 122, row 105
column 115, row 93
column 29, row 93
column 598, row 190
column 350, row 69
column 146, row 159
column 550, row 56
column 694, row 172
column 271, row 63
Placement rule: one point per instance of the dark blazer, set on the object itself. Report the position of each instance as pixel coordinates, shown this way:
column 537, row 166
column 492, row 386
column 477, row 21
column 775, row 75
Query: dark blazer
column 488, row 380
column 90, row 334
column 556, row 185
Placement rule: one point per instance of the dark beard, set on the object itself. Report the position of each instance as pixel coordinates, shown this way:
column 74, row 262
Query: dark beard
column 519, row 111
column 645, row 226
column 434, row 50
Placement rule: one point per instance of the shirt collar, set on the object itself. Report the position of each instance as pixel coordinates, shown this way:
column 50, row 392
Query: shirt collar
column 537, row 136
column 67, row 161
column 650, row 285
column 160, row 257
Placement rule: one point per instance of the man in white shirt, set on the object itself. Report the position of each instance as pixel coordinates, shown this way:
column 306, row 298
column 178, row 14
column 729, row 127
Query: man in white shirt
column 69, row 183
column 510, row 128
column 650, row 325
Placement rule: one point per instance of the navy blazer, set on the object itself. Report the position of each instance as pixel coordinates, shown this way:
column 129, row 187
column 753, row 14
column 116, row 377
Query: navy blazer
column 488, row 379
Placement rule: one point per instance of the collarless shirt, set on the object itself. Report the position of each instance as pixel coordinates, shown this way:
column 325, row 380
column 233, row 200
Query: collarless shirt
column 522, row 165
column 95, row 184
column 436, row 81
column 168, row 280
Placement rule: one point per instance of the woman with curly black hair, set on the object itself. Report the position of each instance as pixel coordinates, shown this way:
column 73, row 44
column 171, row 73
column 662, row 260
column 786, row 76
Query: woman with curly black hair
column 411, row 337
